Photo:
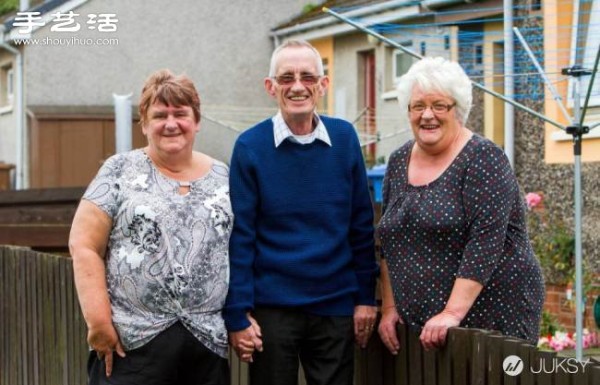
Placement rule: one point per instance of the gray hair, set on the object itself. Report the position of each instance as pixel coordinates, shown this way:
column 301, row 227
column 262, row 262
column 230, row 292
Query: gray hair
column 438, row 75
column 295, row 44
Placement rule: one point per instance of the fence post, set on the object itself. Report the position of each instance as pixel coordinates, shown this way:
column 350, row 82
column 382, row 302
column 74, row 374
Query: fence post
column 595, row 374
column 461, row 350
column 479, row 353
column 415, row 359
column 525, row 352
column 430, row 367
column 494, row 359
column 402, row 365
column 512, row 347
column 541, row 360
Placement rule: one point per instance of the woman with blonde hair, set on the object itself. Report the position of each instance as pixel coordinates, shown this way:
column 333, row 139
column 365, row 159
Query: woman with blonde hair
column 453, row 235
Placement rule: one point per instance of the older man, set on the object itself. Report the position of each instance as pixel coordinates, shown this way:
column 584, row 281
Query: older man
column 302, row 258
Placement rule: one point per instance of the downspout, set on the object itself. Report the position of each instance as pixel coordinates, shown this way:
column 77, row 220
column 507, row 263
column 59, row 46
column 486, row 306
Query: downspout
column 19, row 118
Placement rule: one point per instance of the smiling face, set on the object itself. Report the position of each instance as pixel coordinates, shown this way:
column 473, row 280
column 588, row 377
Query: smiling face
column 433, row 131
column 170, row 129
column 297, row 100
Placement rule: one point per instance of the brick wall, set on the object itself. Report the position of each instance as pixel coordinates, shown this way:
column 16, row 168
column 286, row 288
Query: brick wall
column 564, row 310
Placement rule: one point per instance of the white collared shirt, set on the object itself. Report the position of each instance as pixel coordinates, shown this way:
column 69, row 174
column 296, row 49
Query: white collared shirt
column 281, row 132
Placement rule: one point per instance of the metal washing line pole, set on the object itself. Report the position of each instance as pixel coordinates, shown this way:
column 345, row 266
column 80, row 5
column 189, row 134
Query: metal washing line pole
column 576, row 129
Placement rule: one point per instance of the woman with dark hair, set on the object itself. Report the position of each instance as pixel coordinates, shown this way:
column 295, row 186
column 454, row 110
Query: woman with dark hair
column 149, row 243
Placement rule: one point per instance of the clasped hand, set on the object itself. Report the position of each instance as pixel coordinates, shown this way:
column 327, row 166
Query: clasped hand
column 246, row 341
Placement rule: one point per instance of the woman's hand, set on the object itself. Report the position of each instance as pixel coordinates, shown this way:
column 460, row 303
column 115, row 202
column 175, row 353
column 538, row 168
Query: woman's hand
column 463, row 295
column 87, row 244
column 105, row 340
column 387, row 329
column 246, row 341
column 436, row 329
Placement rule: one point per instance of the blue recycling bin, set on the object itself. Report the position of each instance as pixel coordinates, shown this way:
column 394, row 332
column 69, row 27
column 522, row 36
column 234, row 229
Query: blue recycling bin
column 375, row 176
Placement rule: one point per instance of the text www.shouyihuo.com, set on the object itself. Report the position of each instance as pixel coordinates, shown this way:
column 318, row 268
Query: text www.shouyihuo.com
column 70, row 41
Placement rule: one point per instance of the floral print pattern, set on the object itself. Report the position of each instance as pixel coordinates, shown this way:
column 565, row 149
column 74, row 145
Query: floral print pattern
column 167, row 257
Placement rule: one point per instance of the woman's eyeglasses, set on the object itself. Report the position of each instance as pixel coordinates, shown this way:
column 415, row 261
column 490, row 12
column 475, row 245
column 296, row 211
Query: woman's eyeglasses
column 436, row 108
column 289, row 79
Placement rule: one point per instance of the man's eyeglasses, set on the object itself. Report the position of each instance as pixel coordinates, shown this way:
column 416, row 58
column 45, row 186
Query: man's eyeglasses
column 289, row 79
column 436, row 108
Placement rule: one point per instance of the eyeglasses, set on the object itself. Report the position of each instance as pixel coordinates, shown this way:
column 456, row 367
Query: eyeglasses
column 289, row 79
column 436, row 108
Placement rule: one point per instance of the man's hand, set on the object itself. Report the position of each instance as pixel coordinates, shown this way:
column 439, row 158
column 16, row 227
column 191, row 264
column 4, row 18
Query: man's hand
column 364, row 323
column 246, row 341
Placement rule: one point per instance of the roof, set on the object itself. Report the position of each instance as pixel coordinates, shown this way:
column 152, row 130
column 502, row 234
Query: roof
column 317, row 11
column 42, row 8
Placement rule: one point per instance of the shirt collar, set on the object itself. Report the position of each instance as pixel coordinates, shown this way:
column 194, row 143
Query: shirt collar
column 281, row 131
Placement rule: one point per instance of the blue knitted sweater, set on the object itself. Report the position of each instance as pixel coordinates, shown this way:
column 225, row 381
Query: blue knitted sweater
column 303, row 228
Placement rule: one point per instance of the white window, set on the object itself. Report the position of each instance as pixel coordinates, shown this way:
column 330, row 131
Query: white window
column 402, row 61
column 587, row 58
column 6, row 85
column 10, row 85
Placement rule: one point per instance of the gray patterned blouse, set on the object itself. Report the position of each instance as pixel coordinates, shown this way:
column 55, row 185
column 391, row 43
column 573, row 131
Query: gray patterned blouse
column 167, row 257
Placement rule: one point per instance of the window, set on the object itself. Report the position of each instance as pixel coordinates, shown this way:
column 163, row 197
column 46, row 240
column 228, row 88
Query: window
column 402, row 61
column 536, row 5
column 587, row 56
column 10, row 84
column 446, row 42
column 6, row 85
column 323, row 105
column 423, row 48
column 478, row 55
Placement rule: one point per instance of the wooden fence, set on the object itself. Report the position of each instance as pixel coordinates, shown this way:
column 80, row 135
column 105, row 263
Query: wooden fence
column 40, row 219
column 42, row 332
column 42, row 341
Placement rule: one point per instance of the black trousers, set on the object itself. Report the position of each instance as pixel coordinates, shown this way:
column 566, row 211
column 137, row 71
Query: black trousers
column 324, row 346
column 174, row 357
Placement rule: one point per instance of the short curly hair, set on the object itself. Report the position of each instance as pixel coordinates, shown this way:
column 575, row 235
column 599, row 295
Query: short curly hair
column 172, row 90
column 438, row 75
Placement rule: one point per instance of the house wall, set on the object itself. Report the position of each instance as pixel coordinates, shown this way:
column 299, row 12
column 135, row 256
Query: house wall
column 394, row 129
column 8, row 139
column 558, row 21
column 224, row 47
column 394, row 118
column 325, row 48
column 533, row 167
column 392, row 122
column 494, row 63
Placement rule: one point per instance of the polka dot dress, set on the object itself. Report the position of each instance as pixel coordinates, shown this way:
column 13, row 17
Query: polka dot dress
column 468, row 223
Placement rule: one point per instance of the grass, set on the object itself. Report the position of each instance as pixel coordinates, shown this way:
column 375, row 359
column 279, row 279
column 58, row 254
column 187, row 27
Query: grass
column 570, row 353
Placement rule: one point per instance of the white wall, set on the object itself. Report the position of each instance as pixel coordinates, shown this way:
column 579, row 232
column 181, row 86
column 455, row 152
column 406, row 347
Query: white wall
column 224, row 46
